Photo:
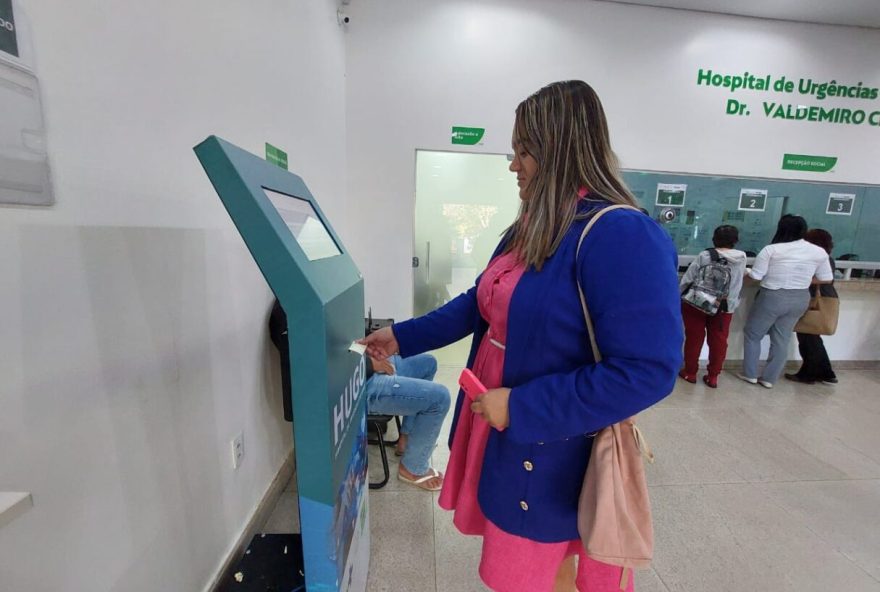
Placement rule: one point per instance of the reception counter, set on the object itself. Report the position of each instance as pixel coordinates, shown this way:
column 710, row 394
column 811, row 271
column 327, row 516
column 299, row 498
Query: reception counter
column 858, row 333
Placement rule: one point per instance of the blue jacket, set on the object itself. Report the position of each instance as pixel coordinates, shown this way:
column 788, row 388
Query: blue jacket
column 532, row 471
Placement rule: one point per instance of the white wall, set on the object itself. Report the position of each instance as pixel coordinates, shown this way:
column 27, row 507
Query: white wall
column 132, row 318
column 418, row 67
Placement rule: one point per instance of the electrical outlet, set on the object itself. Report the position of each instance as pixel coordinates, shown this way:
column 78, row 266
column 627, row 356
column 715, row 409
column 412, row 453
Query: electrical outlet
column 237, row 450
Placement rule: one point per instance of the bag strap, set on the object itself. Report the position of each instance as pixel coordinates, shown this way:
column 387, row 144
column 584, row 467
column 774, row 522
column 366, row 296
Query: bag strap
column 641, row 442
column 597, row 355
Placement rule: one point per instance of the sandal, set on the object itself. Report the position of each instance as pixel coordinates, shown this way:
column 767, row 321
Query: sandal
column 422, row 482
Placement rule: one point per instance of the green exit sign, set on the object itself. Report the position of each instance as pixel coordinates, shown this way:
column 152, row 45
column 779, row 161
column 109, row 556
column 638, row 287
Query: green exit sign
column 467, row 135
column 276, row 156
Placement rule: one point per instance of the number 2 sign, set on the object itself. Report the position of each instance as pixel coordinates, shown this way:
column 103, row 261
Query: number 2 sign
column 752, row 200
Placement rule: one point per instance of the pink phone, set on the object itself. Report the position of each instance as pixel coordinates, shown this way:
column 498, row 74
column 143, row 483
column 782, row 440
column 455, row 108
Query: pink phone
column 471, row 385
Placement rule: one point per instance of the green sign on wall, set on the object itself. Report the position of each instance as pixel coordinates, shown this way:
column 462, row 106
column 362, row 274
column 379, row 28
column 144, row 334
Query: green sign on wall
column 8, row 42
column 276, row 156
column 783, row 103
column 806, row 162
column 467, row 135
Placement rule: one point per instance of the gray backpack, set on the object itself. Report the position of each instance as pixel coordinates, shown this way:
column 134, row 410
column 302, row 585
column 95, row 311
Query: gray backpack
column 708, row 292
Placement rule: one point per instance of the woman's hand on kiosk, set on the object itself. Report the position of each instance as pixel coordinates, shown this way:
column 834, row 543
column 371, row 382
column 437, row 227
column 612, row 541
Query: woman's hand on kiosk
column 492, row 406
column 381, row 343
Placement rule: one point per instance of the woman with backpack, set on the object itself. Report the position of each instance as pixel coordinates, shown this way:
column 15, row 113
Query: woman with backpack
column 710, row 293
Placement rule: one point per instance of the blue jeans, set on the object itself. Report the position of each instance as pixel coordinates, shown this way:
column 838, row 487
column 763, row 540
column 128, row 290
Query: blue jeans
column 411, row 393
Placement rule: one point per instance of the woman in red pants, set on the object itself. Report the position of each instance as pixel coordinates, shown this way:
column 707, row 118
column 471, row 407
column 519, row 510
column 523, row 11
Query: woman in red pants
column 699, row 326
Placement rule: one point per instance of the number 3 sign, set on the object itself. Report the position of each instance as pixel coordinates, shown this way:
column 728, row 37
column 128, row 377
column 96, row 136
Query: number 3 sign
column 840, row 204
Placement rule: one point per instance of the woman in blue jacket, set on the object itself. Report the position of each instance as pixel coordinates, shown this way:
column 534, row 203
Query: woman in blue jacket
column 519, row 453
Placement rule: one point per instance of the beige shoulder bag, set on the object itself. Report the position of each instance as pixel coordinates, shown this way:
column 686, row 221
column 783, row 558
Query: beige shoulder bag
column 614, row 513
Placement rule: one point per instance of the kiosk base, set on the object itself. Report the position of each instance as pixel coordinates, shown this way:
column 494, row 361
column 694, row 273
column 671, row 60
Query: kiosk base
column 272, row 563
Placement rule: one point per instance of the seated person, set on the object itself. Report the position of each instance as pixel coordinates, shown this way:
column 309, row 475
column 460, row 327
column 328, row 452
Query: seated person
column 396, row 386
column 399, row 386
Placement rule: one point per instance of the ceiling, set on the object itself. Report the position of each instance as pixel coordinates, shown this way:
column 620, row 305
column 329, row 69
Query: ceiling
column 858, row 13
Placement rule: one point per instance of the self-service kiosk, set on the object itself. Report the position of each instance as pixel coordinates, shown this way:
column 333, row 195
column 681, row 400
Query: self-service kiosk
column 321, row 290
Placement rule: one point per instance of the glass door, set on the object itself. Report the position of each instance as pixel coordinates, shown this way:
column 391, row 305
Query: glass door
column 464, row 201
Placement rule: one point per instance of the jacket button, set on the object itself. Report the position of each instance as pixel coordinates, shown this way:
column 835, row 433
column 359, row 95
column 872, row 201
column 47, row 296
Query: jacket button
column 524, row 506
column 528, row 466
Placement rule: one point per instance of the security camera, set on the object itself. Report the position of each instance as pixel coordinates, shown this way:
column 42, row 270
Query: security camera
column 342, row 18
column 668, row 214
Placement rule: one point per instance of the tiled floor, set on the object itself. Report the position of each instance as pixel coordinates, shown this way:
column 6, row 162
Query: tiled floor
column 752, row 490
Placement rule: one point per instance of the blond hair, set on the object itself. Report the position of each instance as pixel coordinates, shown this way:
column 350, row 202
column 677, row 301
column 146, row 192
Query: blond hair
column 563, row 127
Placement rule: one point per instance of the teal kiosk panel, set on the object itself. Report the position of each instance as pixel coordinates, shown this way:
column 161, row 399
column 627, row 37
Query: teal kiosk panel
column 322, row 293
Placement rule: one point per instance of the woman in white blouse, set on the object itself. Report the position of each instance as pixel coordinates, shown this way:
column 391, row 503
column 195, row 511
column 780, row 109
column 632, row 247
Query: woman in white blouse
column 785, row 268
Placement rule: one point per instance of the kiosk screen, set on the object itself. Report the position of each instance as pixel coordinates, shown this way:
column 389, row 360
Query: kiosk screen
column 305, row 225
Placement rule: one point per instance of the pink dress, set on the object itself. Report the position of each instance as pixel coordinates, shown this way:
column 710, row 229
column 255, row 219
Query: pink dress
column 509, row 563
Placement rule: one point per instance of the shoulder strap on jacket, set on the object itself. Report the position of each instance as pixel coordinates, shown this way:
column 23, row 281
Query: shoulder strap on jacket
column 597, row 355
